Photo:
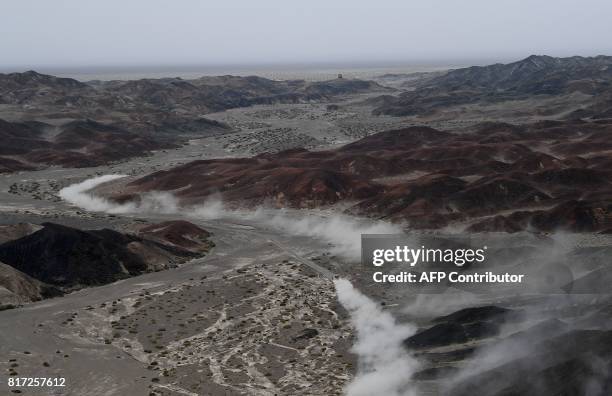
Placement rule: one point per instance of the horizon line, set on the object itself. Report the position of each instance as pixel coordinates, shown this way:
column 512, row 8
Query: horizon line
column 354, row 63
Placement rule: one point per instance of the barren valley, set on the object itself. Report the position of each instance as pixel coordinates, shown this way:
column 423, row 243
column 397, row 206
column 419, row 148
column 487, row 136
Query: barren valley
column 201, row 237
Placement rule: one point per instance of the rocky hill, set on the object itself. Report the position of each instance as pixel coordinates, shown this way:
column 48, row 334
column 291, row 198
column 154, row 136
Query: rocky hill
column 17, row 288
column 547, row 356
column 493, row 177
column 532, row 76
column 82, row 143
column 32, row 87
column 55, row 258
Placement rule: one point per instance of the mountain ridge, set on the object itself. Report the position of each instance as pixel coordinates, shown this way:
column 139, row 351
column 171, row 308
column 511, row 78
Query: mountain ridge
column 533, row 76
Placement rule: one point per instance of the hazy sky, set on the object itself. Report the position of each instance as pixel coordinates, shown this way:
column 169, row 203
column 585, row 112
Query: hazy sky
column 153, row 32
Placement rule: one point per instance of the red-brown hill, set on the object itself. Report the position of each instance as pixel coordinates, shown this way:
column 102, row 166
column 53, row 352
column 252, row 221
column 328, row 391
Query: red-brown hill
column 495, row 176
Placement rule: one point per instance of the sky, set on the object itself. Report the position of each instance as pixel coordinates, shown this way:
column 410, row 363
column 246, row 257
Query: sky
column 75, row 33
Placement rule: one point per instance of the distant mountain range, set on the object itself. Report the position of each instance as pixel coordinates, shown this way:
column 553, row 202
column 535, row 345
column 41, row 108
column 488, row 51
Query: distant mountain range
column 61, row 121
column 535, row 75
column 206, row 94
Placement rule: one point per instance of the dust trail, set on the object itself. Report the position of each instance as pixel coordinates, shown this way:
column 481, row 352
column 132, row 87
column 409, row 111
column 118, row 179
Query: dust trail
column 341, row 231
column 77, row 194
column 385, row 366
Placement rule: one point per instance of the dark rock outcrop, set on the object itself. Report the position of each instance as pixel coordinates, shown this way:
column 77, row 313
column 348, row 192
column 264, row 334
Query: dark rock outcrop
column 575, row 363
column 69, row 258
column 462, row 326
